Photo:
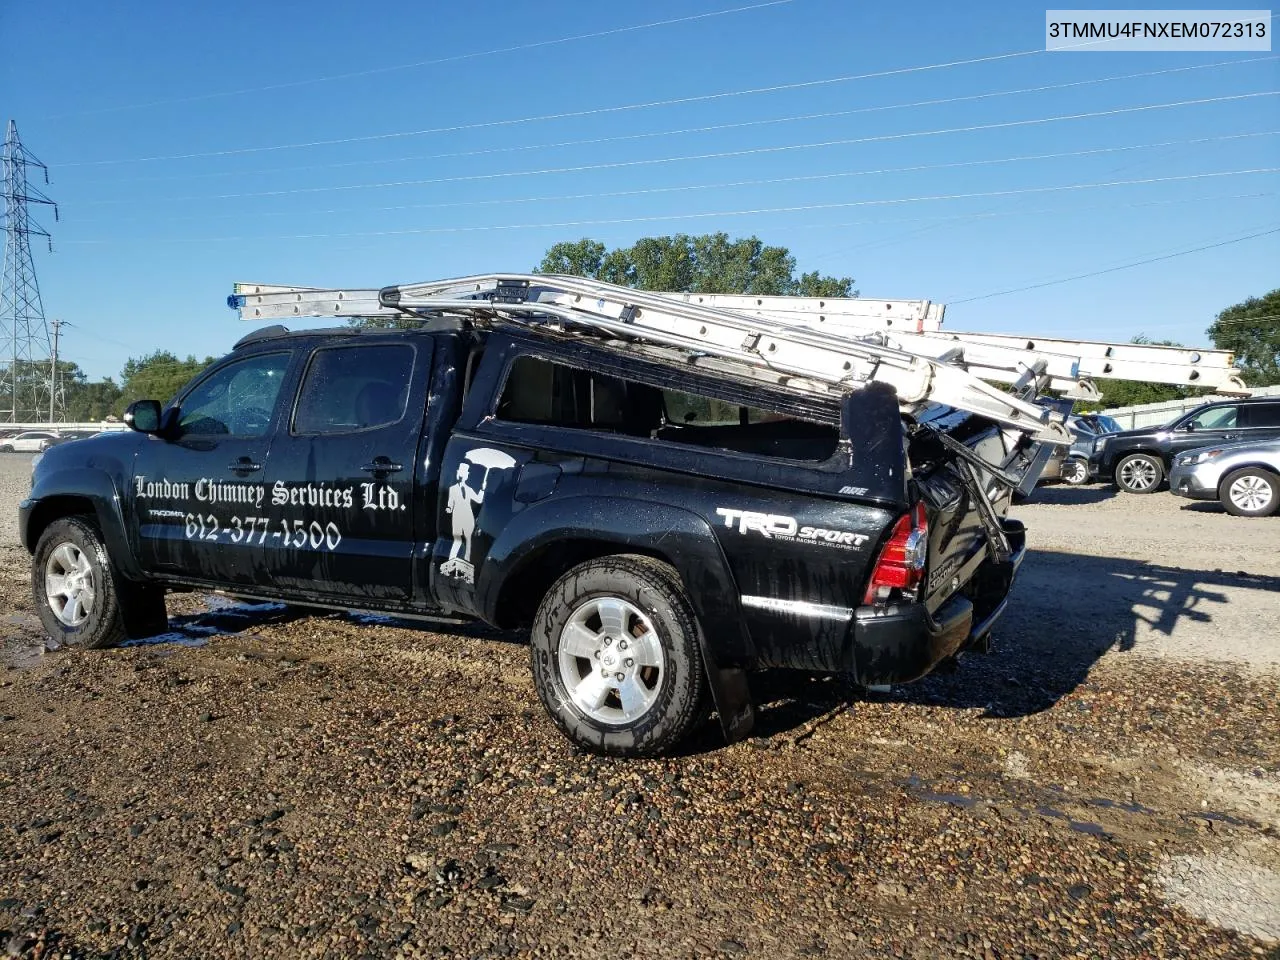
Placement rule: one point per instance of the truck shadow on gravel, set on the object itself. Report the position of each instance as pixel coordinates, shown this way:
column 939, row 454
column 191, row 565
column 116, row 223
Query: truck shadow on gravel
column 1066, row 612
column 1064, row 495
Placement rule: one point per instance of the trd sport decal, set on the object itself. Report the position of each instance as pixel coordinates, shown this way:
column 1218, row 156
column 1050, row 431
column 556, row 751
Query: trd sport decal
column 462, row 495
column 775, row 526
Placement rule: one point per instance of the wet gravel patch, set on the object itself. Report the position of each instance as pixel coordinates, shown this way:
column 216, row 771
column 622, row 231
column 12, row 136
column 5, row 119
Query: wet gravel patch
column 260, row 783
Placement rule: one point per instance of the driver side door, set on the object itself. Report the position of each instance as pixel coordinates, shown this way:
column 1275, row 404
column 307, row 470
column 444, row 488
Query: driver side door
column 1215, row 425
column 199, row 501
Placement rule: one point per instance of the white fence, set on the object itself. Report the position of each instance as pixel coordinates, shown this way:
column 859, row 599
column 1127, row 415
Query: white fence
column 1154, row 414
column 92, row 426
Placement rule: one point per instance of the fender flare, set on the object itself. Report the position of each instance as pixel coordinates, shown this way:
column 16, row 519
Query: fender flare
column 674, row 534
column 41, row 508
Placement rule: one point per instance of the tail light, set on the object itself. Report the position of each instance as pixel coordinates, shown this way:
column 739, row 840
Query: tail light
column 901, row 563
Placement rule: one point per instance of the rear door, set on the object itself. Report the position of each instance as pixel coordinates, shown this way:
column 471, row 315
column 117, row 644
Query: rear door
column 1260, row 421
column 341, row 482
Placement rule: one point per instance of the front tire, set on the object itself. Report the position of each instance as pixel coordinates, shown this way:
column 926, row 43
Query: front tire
column 1075, row 473
column 75, row 589
column 1139, row 473
column 616, row 657
column 1250, row 492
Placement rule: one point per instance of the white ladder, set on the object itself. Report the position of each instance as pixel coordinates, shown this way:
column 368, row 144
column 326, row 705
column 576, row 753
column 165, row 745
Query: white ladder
column 808, row 359
column 916, row 325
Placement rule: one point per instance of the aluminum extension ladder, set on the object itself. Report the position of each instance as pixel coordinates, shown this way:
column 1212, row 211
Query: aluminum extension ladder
column 808, row 358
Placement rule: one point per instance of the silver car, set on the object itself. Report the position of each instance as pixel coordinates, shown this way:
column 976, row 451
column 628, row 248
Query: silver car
column 1244, row 476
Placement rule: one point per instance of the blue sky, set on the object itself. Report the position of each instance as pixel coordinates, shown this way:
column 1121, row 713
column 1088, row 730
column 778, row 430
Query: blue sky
column 170, row 189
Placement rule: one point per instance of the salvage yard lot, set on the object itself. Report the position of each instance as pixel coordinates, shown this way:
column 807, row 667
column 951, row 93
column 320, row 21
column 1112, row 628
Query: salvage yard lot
column 263, row 782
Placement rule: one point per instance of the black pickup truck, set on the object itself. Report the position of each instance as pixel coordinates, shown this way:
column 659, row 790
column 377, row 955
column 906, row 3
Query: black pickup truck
column 660, row 531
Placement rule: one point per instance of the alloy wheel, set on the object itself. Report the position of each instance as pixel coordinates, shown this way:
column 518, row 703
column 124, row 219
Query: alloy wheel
column 611, row 661
column 69, row 584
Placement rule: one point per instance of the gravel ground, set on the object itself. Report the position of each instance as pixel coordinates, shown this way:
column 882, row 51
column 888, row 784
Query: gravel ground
column 263, row 783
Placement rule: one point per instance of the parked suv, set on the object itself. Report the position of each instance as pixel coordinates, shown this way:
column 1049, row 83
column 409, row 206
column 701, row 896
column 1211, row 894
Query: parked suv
column 659, row 528
column 33, row 441
column 1138, row 461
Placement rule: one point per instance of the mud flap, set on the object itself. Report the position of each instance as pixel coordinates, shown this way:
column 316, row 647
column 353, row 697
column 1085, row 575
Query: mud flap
column 143, row 609
column 731, row 694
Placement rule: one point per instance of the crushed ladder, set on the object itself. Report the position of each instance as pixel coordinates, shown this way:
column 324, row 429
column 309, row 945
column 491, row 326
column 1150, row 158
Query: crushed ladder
column 811, row 358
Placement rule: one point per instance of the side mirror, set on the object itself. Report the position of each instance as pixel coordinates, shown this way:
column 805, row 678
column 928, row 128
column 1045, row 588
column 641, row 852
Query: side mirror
column 1189, row 426
column 143, row 416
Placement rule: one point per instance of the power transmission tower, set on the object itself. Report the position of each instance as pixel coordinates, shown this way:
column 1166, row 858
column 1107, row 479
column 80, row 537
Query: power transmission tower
column 25, row 381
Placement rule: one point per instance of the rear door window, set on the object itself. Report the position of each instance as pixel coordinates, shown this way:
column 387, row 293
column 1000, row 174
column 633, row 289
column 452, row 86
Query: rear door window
column 353, row 388
column 1262, row 415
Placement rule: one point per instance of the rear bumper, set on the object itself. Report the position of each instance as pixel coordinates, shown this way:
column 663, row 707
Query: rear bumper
column 900, row 644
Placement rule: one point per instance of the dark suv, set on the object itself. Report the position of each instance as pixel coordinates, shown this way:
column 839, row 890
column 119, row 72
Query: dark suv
column 1138, row 461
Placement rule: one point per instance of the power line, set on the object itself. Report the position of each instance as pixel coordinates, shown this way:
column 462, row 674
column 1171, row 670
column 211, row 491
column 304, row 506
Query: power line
column 425, row 63
column 1127, row 266
column 709, row 128
column 571, row 114
column 719, row 155
column 648, row 191
column 798, row 208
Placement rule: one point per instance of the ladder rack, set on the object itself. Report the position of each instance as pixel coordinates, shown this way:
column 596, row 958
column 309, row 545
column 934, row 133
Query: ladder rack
column 812, row 359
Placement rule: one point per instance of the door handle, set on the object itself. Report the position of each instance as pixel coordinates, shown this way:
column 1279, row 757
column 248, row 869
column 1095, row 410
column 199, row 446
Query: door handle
column 243, row 465
column 382, row 465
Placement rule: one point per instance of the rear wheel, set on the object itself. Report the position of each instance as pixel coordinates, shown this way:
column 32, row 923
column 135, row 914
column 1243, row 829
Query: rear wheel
column 1075, row 472
column 1251, row 492
column 74, row 586
column 1139, row 473
column 616, row 656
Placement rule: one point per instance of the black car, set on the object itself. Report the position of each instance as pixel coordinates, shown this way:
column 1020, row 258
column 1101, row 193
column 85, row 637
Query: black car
column 659, row 529
column 1138, row 461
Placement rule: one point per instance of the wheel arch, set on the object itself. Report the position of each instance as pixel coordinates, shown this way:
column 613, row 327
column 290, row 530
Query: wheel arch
column 542, row 542
column 1233, row 470
column 88, row 493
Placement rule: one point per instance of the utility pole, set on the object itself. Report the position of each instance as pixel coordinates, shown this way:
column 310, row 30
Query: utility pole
column 53, row 369
column 23, row 330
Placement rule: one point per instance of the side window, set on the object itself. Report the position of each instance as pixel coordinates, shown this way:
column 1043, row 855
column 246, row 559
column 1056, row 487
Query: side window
column 1262, row 415
column 1218, row 418
column 237, row 400
column 354, row 388
column 541, row 392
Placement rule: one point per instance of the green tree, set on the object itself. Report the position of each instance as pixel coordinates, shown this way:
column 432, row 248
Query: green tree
column 157, row 376
column 1251, row 330
column 86, row 400
column 710, row 263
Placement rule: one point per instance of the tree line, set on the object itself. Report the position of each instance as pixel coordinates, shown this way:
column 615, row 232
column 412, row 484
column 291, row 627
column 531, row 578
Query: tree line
column 709, row 263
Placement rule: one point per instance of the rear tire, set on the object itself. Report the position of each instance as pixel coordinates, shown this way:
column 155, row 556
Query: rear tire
column 1075, row 472
column 74, row 587
column 617, row 657
column 1250, row 492
column 1139, row 473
